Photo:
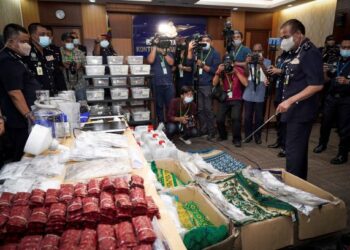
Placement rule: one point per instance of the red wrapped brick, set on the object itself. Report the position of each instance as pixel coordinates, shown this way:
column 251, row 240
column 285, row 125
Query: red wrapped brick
column 152, row 209
column 51, row 197
column 30, row 242
column 136, row 181
column 80, row 190
column 37, row 198
column 4, row 215
column 107, row 208
column 21, row 199
column 121, row 185
column 9, row 246
column 50, row 242
column 125, row 234
column 18, row 219
column 88, row 240
column 37, row 220
column 66, row 193
column 94, row 188
column 75, row 205
column 106, row 237
column 107, row 185
column 70, row 239
column 138, row 201
column 143, row 247
column 122, row 201
column 144, row 230
column 56, row 218
column 75, row 212
column 6, row 199
column 91, row 211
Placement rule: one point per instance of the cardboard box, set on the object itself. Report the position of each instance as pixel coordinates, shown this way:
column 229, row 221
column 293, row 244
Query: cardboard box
column 327, row 219
column 192, row 193
column 175, row 168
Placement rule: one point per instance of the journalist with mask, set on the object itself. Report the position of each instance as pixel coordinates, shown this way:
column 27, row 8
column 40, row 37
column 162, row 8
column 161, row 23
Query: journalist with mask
column 17, row 87
column 103, row 47
column 239, row 52
column 302, row 84
column 73, row 61
column 182, row 116
column 337, row 105
column 206, row 61
column 232, row 80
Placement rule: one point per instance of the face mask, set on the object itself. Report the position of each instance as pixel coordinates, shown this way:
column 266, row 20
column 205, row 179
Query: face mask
column 104, row 43
column 237, row 42
column 24, row 49
column 260, row 54
column 287, row 44
column 345, row 53
column 188, row 99
column 69, row 46
column 207, row 47
column 44, row 41
column 76, row 41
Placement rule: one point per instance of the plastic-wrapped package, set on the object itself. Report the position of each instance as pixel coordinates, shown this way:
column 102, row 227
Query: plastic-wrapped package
column 14, row 170
column 6, row 199
column 47, row 166
column 18, row 185
column 97, row 168
column 121, row 185
column 107, row 185
column 89, row 152
column 94, row 188
column 80, row 190
column 100, row 139
column 144, row 230
column 45, row 184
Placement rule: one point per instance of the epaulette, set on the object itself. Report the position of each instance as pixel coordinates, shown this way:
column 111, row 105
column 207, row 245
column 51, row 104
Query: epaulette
column 307, row 45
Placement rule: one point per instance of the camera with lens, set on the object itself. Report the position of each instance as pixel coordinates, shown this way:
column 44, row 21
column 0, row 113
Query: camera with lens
column 198, row 44
column 227, row 33
column 254, row 58
column 191, row 122
column 73, row 68
column 228, row 65
column 162, row 42
column 332, row 67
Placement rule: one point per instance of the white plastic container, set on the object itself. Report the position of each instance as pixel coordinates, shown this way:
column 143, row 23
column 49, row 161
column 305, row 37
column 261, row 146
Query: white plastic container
column 119, row 81
column 137, row 103
column 121, row 70
column 142, row 69
column 139, row 115
column 135, row 59
column 140, row 92
column 137, row 80
column 95, row 94
column 95, row 70
column 94, row 60
column 115, row 59
column 101, row 82
column 119, row 93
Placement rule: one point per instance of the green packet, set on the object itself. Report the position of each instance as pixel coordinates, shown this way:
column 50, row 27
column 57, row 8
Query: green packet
column 165, row 177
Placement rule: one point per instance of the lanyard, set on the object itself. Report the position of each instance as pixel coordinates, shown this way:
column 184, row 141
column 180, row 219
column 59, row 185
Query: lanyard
column 340, row 71
column 207, row 55
column 188, row 109
column 229, row 82
column 237, row 52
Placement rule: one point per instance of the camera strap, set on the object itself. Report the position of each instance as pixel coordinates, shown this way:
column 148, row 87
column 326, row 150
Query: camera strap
column 237, row 52
column 230, row 90
column 340, row 70
column 203, row 61
column 163, row 64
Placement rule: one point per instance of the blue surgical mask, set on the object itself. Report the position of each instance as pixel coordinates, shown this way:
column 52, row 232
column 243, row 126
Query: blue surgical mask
column 44, row 41
column 69, row 46
column 345, row 53
column 104, row 43
column 188, row 99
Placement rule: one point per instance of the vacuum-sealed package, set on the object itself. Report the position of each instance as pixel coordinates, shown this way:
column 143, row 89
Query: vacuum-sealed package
column 100, row 139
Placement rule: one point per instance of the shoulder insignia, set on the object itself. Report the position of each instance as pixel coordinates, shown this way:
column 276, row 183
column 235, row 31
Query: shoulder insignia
column 307, row 45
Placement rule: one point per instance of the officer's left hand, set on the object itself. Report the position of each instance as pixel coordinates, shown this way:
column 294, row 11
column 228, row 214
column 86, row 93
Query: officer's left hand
column 342, row 80
column 284, row 106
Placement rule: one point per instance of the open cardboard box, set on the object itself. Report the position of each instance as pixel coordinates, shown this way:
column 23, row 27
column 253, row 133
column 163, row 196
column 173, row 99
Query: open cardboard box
column 192, row 193
column 175, row 168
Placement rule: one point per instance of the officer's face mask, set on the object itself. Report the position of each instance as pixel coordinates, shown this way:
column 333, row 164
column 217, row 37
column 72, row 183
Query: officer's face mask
column 24, row 49
column 345, row 53
column 287, row 44
column 44, row 41
column 76, row 41
column 104, row 43
column 69, row 46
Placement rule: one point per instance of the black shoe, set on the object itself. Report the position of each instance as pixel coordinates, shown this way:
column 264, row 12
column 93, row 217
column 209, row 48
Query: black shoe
column 275, row 145
column 258, row 141
column 211, row 136
column 237, row 144
column 282, row 153
column 340, row 159
column 320, row 148
column 247, row 141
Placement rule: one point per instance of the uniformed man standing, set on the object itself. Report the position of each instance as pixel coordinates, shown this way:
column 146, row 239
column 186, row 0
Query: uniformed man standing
column 303, row 81
column 103, row 47
column 41, row 60
column 17, row 87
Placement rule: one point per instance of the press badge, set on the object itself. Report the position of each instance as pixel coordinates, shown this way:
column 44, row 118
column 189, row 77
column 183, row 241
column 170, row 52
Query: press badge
column 181, row 72
column 200, row 71
column 39, row 71
column 164, row 68
column 229, row 94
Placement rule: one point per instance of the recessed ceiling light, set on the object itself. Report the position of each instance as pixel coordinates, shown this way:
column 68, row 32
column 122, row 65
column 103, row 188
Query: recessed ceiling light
column 92, row 1
column 290, row 5
column 235, row 8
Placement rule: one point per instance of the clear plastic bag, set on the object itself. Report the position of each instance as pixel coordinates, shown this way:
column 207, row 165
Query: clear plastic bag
column 18, row 185
column 47, row 166
column 14, row 170
column 89, row 152
column 100, row 139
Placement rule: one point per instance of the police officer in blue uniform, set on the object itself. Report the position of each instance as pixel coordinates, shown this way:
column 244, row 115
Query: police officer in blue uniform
column 337, row 105
column 299, row 106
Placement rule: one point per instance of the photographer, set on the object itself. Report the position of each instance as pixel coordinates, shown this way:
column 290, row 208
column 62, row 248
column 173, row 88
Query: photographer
column 184, row 71
column 161, row 66
column 232, row 80
column 73, row 61
column 181, row 116
column 337, row 105
column 254, row 94
column 207, row 62
column 239, row 52
column 103, row 47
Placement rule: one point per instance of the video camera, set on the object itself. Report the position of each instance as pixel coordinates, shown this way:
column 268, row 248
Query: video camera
column 255, row 58
column 162, row 42
column 198, row 45
column 228, row 33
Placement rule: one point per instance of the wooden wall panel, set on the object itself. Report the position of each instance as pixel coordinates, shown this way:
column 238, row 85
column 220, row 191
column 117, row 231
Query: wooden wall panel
column 215, row 26
column 257, row 20
column 30, row 12
column 94, row 20
column 123, row 46
column 238, row 20
column 342, row 13
column 121, row 25
column 10, row 13
column 276, row 24
column 73, row 13
column 219, row 47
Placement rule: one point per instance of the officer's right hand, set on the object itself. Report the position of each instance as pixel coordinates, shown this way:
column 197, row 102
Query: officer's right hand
column 284, row 106
column 191, row 45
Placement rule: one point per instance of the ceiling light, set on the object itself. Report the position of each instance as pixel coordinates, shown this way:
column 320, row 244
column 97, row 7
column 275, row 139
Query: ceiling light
column 92, row 1
column 263, row 4
column 235, row 8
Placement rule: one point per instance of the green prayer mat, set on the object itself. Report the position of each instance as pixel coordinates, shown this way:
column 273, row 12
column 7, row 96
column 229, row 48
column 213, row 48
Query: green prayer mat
column 202, row 237
column 191, row 216
column 166, row 178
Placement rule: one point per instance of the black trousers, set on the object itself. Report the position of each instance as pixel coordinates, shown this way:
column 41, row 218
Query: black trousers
column 205, row 110
column 336, row 109
column 18, row 137
column 253, row 118
column 173, row 129
column 297, row 144
column 281, row 129
column 235, row 107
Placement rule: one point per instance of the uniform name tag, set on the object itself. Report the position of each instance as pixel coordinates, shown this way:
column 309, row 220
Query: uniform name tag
column 39, row 71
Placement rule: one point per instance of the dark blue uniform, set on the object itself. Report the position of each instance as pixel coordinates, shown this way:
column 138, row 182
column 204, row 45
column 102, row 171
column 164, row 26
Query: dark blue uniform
column 337, row 108
column 305, row 69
